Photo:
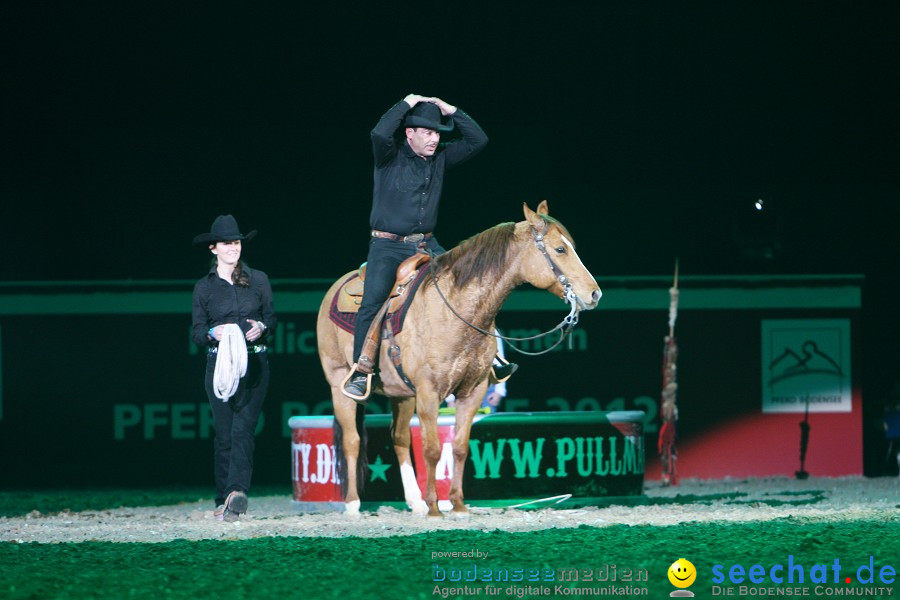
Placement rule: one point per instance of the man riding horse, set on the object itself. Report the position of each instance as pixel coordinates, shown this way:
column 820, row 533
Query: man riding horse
column 409, row 177
column 444, row 345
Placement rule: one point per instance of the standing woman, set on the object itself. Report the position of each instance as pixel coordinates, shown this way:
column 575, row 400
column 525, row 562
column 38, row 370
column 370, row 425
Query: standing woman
column 233, row 315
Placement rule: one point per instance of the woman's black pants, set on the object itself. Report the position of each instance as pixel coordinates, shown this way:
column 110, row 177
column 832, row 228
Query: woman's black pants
column 235, row 422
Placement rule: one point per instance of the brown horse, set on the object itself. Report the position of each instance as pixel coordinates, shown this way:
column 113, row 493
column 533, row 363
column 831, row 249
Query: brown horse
column 443, row 351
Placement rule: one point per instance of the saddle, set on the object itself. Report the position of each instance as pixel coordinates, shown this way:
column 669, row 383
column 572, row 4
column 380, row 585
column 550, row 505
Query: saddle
column 349, row 297
column 345, row 306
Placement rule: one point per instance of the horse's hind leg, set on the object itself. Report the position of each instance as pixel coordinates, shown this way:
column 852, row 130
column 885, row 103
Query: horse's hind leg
column 345, row 413
column 403, row 410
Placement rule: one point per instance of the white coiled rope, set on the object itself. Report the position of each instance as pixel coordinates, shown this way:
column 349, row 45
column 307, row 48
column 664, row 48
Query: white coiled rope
column 231, row 362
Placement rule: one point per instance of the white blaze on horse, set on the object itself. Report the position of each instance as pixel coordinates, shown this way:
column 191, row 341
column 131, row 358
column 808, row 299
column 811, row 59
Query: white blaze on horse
column 443, row 351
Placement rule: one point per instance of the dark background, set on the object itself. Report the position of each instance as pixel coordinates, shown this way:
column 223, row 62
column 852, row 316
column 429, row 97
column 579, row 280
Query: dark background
column 650, row 128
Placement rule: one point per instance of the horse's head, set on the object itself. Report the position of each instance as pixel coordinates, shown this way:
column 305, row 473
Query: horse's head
column 552, row 263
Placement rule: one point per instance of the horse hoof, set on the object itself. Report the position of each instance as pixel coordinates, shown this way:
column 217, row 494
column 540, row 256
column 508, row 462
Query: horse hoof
column 435, row 512
column 460, row 515
column 419, row 508
column 351, row 510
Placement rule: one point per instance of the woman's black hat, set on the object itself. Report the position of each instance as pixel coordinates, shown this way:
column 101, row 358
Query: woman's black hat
column 428, row 115
column 224, row 229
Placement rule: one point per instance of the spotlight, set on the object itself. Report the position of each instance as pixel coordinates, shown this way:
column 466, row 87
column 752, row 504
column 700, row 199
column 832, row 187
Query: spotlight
column 757, row 231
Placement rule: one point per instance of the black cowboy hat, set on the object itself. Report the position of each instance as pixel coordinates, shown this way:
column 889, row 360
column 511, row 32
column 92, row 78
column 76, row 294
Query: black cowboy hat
column 224, row 229
column 428, row 115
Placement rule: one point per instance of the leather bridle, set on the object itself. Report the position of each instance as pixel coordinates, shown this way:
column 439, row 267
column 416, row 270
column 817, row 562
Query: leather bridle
column 569, row 297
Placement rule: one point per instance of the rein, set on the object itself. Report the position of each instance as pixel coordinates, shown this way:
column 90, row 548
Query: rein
column 565, row 326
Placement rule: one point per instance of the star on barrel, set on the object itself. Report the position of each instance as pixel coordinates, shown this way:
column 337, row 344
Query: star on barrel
column 378, row 469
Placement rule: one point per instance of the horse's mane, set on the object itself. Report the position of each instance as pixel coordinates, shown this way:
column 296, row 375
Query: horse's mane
column 551, row 221
column 482, row 255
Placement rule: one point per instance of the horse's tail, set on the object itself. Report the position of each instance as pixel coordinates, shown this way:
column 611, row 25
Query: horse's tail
column 362, row 462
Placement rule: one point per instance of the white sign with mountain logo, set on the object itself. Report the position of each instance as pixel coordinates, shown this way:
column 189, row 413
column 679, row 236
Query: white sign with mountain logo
column 806, row 364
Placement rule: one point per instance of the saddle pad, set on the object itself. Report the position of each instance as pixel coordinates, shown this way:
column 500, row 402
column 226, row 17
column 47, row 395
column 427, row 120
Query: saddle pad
column 347, row 320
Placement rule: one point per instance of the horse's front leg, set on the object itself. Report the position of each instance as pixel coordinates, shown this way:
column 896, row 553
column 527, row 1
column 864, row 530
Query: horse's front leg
column 403, row 410
column 431, row 448
column 465, row 414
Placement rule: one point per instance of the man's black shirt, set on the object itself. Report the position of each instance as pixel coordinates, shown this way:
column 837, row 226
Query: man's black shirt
column 407, row 189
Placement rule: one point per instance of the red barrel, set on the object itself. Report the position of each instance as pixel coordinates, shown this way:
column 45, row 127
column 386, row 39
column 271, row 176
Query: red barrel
column 313, row 460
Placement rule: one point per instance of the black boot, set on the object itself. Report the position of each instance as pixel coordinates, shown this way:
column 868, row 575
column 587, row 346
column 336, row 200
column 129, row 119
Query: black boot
column 357, row 386
column 501, row 370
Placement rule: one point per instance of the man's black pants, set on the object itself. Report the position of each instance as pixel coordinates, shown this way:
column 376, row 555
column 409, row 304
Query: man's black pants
column 381, row 273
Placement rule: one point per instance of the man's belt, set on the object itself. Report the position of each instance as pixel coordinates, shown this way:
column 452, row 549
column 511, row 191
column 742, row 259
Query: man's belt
column 413, row 238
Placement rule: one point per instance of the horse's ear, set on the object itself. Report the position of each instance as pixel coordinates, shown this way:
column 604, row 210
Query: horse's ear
column 532, row 216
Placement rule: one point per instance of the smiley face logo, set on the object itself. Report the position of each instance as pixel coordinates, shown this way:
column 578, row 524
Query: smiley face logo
column 682, row 573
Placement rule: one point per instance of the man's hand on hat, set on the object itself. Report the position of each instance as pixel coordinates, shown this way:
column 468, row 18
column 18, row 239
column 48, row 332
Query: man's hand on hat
column 446, row 109
column 413, row 99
